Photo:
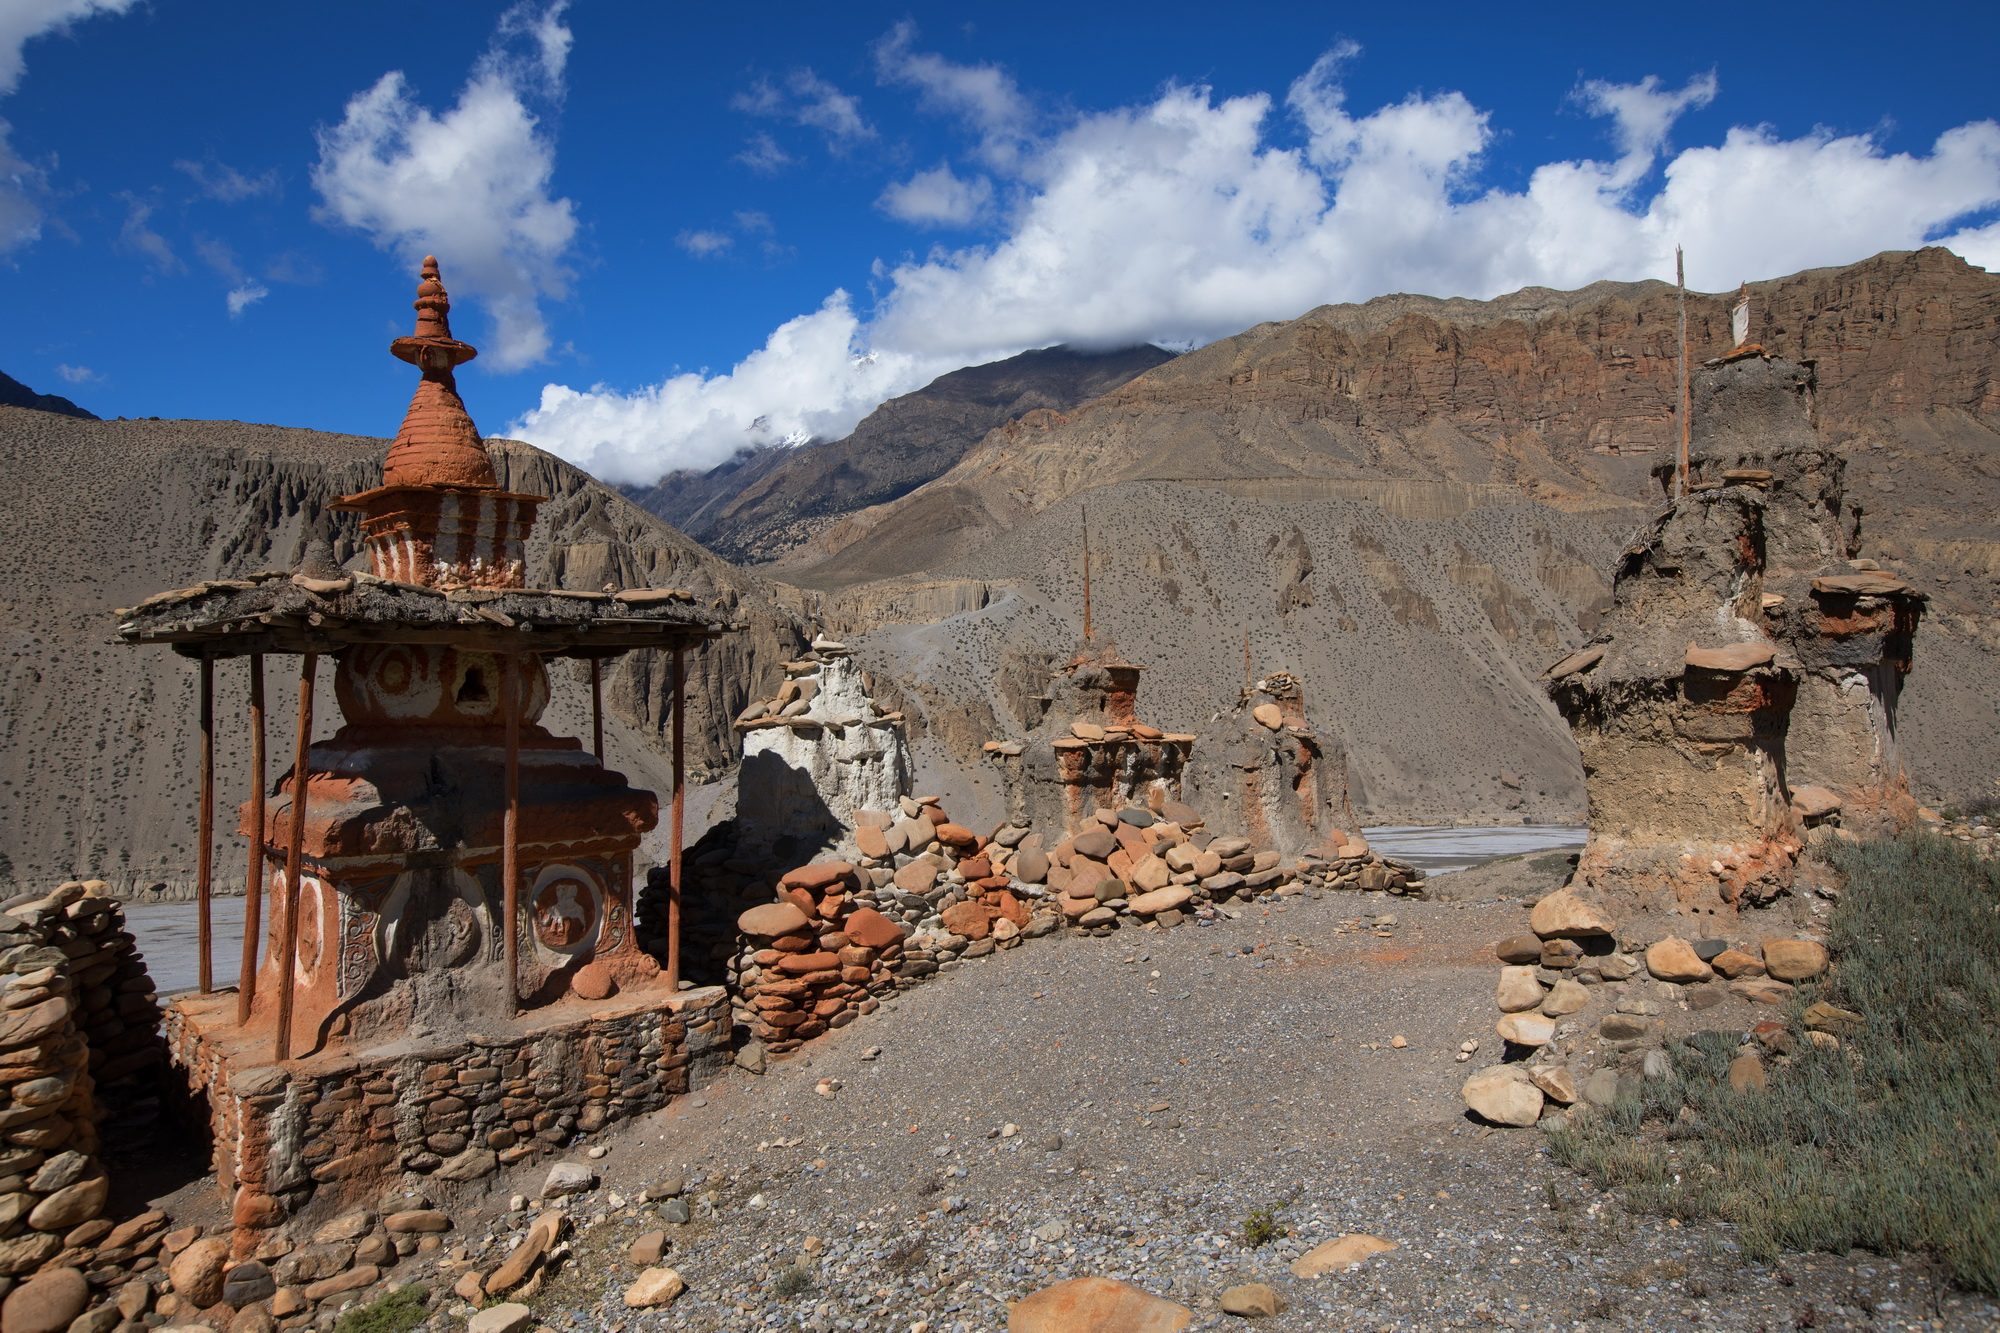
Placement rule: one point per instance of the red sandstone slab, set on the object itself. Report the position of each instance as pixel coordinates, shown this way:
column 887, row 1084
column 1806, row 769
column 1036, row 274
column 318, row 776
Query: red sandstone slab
column 771, row 920
column 1732, row 657
column 871, row 930
column 1861, row 583
column 802, row 964
column 820, row 876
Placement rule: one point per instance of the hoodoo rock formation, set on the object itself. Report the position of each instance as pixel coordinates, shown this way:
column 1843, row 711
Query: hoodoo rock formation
column 1745, row 682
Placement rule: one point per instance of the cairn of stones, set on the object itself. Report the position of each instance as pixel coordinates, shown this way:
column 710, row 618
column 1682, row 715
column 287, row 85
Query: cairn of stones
column 81, row 1057
column 1738, row 706
column 818, row 751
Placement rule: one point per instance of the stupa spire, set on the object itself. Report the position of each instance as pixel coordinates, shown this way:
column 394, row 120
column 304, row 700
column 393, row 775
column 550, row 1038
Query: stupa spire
column 438, row 445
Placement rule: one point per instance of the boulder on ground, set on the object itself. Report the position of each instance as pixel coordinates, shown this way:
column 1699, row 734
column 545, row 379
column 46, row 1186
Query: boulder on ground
column 1505, row 1095
column 1340, row 1254
column 1096, row 1305
column 653, row 1288
column 1563, row 915
column 1794, row 960
column 1674, row 959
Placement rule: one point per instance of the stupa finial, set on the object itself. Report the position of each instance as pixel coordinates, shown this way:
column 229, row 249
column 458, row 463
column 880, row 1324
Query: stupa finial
column 432, row 349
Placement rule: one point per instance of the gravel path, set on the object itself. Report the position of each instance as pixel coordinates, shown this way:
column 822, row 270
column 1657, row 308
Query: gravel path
column 1160, row 1087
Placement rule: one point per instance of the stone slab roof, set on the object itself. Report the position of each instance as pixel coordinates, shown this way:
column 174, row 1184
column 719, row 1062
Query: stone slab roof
column 276, row 612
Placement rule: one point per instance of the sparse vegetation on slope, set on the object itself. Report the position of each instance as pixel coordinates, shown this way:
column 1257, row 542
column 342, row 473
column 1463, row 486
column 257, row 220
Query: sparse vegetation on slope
column 1891, row 1141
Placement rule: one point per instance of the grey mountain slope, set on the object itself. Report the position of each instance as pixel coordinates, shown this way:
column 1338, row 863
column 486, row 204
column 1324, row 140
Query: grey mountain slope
column 13, row 393
column 1436, row 411
column 763, row 502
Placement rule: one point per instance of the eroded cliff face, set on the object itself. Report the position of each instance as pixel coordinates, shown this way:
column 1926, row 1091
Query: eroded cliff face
column 1746, row 682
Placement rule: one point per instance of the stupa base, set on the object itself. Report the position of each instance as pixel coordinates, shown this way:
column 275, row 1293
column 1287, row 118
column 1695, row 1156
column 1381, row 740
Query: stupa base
column 340, row 1126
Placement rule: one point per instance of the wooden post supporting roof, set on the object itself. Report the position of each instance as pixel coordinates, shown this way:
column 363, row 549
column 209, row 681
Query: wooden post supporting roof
column 597, row 708
column 253, row 882
column 288, row 960
column 510, row 830
column 674, row 829
column 204, row 875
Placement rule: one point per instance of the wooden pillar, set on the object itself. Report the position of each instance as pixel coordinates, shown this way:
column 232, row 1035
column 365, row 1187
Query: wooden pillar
column 288, row 960
column 204, row 875
column 510, row 832
column 674, row 827
column 597, row 709
column 253, row 884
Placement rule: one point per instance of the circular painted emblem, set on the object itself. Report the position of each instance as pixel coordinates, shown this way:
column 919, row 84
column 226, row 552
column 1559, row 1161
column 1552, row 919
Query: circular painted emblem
column 311, row 937
column 568, row 910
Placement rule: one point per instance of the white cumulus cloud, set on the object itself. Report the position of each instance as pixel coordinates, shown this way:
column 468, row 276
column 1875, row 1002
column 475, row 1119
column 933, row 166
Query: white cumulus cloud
column 472, row 184
column 938, row 198
column 1189, row 217
column 77, row 374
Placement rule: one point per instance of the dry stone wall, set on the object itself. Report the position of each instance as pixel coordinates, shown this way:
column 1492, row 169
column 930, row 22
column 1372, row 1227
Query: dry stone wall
column 80, row 1058
column 925, row 895
column 455, row 1112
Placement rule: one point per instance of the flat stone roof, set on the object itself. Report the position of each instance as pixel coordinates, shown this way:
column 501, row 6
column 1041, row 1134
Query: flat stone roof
column 277, row 612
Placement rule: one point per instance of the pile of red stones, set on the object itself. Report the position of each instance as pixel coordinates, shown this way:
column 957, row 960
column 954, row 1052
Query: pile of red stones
column 926, row 894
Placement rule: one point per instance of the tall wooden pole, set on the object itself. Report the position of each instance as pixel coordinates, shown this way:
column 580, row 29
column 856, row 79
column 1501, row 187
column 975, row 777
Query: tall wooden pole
column 253, row 883
column 204, row 875
column 288, row 961
column 1086, row 573
column 597, row 709
column 510, row 833
column 1680, row 282
column 675, row 824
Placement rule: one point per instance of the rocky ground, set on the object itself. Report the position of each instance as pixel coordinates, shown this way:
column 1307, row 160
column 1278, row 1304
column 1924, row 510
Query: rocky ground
column 1128, row 1106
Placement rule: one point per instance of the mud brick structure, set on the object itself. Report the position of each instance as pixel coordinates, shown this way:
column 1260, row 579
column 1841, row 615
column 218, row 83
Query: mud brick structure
column 1745, row 683
column 818, row 751
column 1261, row 768
column 449, row 884
column 1090, row 752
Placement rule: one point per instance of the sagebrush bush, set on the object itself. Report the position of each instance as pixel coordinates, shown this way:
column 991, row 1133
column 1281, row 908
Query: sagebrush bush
column 1891, row 1142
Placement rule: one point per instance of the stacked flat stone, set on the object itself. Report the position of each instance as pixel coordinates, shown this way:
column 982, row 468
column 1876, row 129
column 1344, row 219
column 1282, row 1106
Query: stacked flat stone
column 455, row 1112
column 814, row 959
column 1570, row 981
column 923, row 895
column 1350, row 865
column 80, row 1055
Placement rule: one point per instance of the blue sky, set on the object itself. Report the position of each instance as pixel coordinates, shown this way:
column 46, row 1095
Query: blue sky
column 675, row 230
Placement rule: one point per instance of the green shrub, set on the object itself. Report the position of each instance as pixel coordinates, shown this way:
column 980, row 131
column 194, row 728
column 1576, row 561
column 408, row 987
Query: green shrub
column 1891, row 1142
column 1261, row 1227
column 398, row 1312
